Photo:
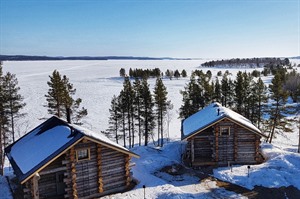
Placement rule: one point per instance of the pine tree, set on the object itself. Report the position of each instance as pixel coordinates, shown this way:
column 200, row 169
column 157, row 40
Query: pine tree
column 147, row 110
column 176, row 74
column 259, row 91
column 14, row 100
column 183, row 73
column 3, row 121
column 114, row 119
column 11, row 102
column 122, row 108
column 227, row 91
column 60, row 99
column 217, row 92
column 192, row 98
column 279, row 97
column 137, row 104
column 55, row 94
column 239, row 92
column 161, row 103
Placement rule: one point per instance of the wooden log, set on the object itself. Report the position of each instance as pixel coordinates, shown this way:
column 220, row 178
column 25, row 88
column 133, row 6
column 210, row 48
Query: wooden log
column 216, row 143
column 127, row 170
column 50, row 171
column 99, row 166
column 192, row 150
column 73, row 173
column 35, row 186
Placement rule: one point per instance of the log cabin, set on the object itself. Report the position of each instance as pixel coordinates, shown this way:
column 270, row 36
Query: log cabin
column 218, row 136
column 62, row 160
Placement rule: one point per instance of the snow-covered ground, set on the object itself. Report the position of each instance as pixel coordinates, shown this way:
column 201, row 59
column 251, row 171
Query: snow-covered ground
column 97, row 81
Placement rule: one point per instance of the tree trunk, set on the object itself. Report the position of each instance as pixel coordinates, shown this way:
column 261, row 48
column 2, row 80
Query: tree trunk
column 129, row 127
column 124, row 130
column 1, row 153
column 162, row 130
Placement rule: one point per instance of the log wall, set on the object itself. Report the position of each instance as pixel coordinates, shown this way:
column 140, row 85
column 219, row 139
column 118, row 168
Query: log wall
column 106, row 171
column 210, row 146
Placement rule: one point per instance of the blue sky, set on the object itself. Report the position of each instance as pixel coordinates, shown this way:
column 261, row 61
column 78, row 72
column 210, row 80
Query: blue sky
column 197, row 29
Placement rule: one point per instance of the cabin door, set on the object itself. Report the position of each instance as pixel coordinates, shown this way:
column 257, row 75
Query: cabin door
column 60, row 185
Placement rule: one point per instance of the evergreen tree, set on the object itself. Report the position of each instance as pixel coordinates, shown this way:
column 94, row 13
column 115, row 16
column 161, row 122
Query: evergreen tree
column 292, row 85
column 239, row 92
column 3, row 121
column 122, row 72
column 279, row 97
column 55, row 94
column 114, row 119
column 161, row 103
column 176, row 74
column 227, row 91
column 183, row 73
column 60, row 100
column 192, row 98
column 14, row 100
column 137, row 104
column 122, row 108
column 11, row 102
column 147, row 110
column 217, row 92
column 259, row 93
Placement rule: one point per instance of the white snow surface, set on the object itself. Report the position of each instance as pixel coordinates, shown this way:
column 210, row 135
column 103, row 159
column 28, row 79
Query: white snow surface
column 97, row 81
column 32, row 149
column 209, row 114
column 98, row 136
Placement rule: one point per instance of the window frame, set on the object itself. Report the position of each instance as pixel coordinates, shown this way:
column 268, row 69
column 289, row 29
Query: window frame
column 224, row 134
column 79, row 159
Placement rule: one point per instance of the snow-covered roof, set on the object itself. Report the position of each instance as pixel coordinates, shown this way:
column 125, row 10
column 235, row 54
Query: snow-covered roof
column 46, row 142
column 209, row 115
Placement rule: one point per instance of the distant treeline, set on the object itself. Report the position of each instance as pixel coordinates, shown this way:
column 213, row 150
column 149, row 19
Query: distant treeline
column 156, row 72
column 48, row 58
column 247, row 62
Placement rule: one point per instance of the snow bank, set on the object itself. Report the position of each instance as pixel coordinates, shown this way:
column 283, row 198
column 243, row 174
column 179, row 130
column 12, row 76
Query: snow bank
column 282, row 168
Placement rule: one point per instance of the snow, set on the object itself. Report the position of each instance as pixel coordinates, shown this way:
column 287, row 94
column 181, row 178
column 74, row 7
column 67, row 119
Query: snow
column 98, row 135
column 281, row 169
column 97, row 81
column 209, row 115
column 34, row 148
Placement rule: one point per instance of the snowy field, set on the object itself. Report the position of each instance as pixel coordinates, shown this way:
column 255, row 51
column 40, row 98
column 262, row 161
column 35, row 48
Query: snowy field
column 97, row 81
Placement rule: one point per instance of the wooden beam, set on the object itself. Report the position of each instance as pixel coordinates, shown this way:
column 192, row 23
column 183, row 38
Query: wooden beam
column 257, row 141
column 217, row 143
column 73, row 173
column 99, row 166
column 235, row 143
column 35, row 186
column 53, row 170
column 192, row 150
column 127, row 170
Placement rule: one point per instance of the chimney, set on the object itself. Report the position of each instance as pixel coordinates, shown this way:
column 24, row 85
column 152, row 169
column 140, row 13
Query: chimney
column 69, row 115
column 218, row 111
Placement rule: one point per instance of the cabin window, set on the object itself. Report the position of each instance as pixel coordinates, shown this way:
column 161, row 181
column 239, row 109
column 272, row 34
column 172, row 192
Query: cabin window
column 225, row 130
column 83, row 154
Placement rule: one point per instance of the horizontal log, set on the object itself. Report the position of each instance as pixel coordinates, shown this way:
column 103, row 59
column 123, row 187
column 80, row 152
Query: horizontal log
column 108, row 181
column 50, row 171
column 114, row 185
column 109, row 174
column 108, row 163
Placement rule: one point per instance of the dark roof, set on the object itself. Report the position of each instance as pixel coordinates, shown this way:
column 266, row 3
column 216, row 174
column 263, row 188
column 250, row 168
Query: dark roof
column 46, row 142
